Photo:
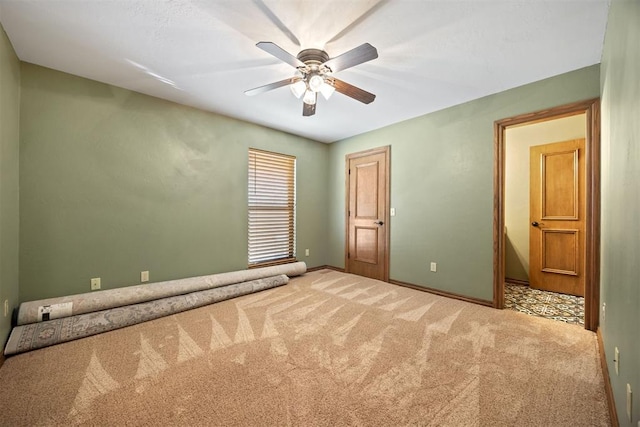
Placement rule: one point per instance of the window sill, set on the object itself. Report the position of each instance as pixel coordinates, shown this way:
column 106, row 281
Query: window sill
column 270, row 263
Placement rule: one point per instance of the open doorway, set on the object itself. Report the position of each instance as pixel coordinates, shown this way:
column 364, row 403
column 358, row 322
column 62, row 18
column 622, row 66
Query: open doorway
column 517, row 230
column 544, row 252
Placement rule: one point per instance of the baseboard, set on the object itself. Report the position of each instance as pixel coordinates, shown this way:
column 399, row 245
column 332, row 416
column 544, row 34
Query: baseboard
column 516, row 281
column 611, row 403
column 418, row 288
column 443, row 293
column 325, row 267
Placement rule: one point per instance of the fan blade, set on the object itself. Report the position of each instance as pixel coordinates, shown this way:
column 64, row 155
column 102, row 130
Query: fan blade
column 353, row 92
column 308, row 109
column 363, row 53
column 280, row 53
column 271, row 86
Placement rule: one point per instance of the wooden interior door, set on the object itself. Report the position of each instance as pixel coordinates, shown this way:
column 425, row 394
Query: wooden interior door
column 367, row 209
column 557, row 214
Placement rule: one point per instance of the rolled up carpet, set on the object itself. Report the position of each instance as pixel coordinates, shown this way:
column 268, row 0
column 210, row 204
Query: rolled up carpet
column 32, row 311
column 43, row 334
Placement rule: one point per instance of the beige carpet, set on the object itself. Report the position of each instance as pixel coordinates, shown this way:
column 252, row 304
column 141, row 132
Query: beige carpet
column 326, row 349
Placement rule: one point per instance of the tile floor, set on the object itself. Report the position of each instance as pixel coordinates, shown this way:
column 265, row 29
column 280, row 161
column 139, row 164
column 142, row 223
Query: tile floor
column 565, row 308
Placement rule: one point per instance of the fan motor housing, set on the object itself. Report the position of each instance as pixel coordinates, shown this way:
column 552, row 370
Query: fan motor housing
column 313, row 56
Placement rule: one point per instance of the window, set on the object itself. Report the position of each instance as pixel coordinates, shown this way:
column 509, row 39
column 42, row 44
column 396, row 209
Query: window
column 272, row 207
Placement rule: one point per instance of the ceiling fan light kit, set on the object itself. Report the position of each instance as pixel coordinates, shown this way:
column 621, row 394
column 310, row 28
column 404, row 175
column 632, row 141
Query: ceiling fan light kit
column 314, row 69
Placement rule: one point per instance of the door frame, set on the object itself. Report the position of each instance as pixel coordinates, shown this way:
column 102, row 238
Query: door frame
column 386, row 150
column 591, row 109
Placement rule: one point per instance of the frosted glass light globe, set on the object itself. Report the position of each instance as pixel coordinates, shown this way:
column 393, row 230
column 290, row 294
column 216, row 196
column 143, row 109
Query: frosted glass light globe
column 309, row 98
column 315, row 82
column 298, row 88
column 326, row 90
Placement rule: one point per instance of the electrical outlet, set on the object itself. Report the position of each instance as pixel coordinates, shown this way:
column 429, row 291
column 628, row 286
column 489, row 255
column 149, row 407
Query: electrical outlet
column 434, row 267
column 144, row 276
column 6, row 308
column 393, row 212
column 616, row 360
column 604, row 310
column 95, row 283
column 306, row 252
column 629, row 400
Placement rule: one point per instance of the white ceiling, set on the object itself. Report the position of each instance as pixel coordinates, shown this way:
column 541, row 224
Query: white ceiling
column 432, row 54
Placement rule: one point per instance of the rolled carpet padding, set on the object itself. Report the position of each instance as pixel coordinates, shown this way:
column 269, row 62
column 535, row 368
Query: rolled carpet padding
column 54, row 308
column 43, row 334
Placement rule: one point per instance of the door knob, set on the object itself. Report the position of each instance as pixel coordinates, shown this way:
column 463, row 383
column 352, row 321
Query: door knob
column 379, row 222
column 535, row 224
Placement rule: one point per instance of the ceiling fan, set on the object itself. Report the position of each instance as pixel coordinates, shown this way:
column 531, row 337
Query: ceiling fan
column 314, row 73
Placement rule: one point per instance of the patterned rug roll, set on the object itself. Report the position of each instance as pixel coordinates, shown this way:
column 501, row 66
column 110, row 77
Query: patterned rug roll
column 43, row 334
column 55, row 308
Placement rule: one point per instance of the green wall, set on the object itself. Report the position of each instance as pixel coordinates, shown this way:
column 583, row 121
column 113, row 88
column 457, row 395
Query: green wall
column 442, row 184
column 620, row 270
column 9, row 149
column 113, row 182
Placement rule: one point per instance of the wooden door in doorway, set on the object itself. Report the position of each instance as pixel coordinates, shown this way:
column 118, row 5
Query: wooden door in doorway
column 367, row 246
column 557, row 214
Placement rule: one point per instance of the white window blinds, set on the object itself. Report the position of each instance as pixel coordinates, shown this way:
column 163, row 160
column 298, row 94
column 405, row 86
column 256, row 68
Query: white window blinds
column 272, row 207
